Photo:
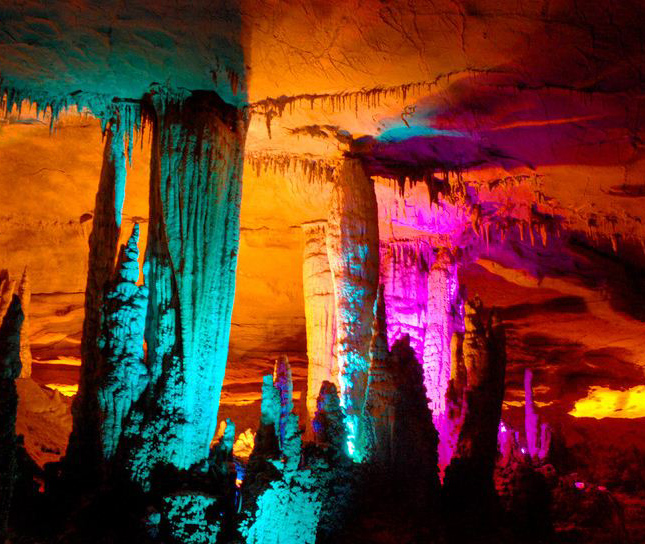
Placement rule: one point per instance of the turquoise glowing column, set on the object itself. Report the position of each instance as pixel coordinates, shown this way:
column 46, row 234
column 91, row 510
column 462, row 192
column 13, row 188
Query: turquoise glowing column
column 353, row 252
column 193, row 239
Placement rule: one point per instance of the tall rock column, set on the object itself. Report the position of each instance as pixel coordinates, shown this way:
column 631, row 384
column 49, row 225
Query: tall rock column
column 84, row 450
column 319, row 313
column 193, row 239
column 353, row 250
column 11, row 318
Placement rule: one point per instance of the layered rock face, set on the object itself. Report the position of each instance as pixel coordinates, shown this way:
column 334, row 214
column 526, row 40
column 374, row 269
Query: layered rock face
column 353, row 252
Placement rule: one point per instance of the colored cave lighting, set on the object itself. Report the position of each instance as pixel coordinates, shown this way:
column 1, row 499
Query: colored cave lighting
column 69, row 390
column 602, row 402
column 580, row 485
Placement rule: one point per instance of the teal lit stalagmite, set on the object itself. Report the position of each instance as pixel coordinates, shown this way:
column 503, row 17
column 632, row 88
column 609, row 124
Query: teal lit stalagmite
column 84, row 450
column 193, row 238
column 353, row 251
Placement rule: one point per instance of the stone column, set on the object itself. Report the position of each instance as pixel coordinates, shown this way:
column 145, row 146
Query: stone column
column 353, row 250
column 319, row 313
column 193, row 240
column 24, row 294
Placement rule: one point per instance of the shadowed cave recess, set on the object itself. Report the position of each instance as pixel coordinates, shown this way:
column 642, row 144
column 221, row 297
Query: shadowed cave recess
column 303, row 271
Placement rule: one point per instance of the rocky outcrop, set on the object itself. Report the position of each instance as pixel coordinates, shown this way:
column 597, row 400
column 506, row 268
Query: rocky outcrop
column 353, row 250
column 319, row 312
column 193, row 237
column 11, row 319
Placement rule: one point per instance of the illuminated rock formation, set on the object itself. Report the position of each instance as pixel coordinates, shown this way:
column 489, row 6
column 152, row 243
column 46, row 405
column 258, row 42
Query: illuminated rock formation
column 538, row 435
column 404, row 274
column 353, row 250
column 382, row 393
column 24, row 293
column 84, row 450
column 329, row 422
column 193, row 236
column 468, row 483
column 124, row 375
column 11, row 319
column 319, row 312
column 283, row 382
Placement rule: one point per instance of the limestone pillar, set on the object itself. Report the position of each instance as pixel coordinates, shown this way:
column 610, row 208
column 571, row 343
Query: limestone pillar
column 353, row 251
column 193, row 240
column 319, row 312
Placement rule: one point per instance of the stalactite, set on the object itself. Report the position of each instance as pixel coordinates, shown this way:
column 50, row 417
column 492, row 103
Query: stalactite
column 319, row 313
column 84, row 450
column 314, row 170
column 124, row 375
column 11, row 319
column 193, row 239
column 24, row 294
column 353, row 250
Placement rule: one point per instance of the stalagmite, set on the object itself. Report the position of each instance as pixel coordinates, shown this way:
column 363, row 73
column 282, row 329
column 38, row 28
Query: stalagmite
column 328, row 422
column 382, row 394
column 283, row 382
column 468, row 483
column 193, row 239
column 124, row 374
column 353, row 250
column 538, row 435
column 11, row 319
column 84, row 451
column 24, row 293
column 319, row 312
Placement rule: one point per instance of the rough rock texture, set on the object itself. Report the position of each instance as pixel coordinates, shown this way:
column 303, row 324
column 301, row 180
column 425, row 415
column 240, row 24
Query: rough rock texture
column 468, row 483
column 329, row 421
column 84, row 451
column 124, row 375
column 353, row 251
column 11, row 318
column 382, row 391
column 195, row 191
column 191, row 518
column 319, row 312
column 538, row 434
column 283, row 382
column 24, row 294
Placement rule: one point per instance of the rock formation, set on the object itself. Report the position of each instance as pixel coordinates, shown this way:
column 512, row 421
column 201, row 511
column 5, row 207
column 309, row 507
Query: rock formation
column 468, row 483
column 84, row 451
column 195, row 191
column 11, row 319
column 124, row 375
column 283, row 382
column 24, row 294
column 353, row 250
column 538, row 434
column 319, row 312
column 382, row 392
column 329, row 422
